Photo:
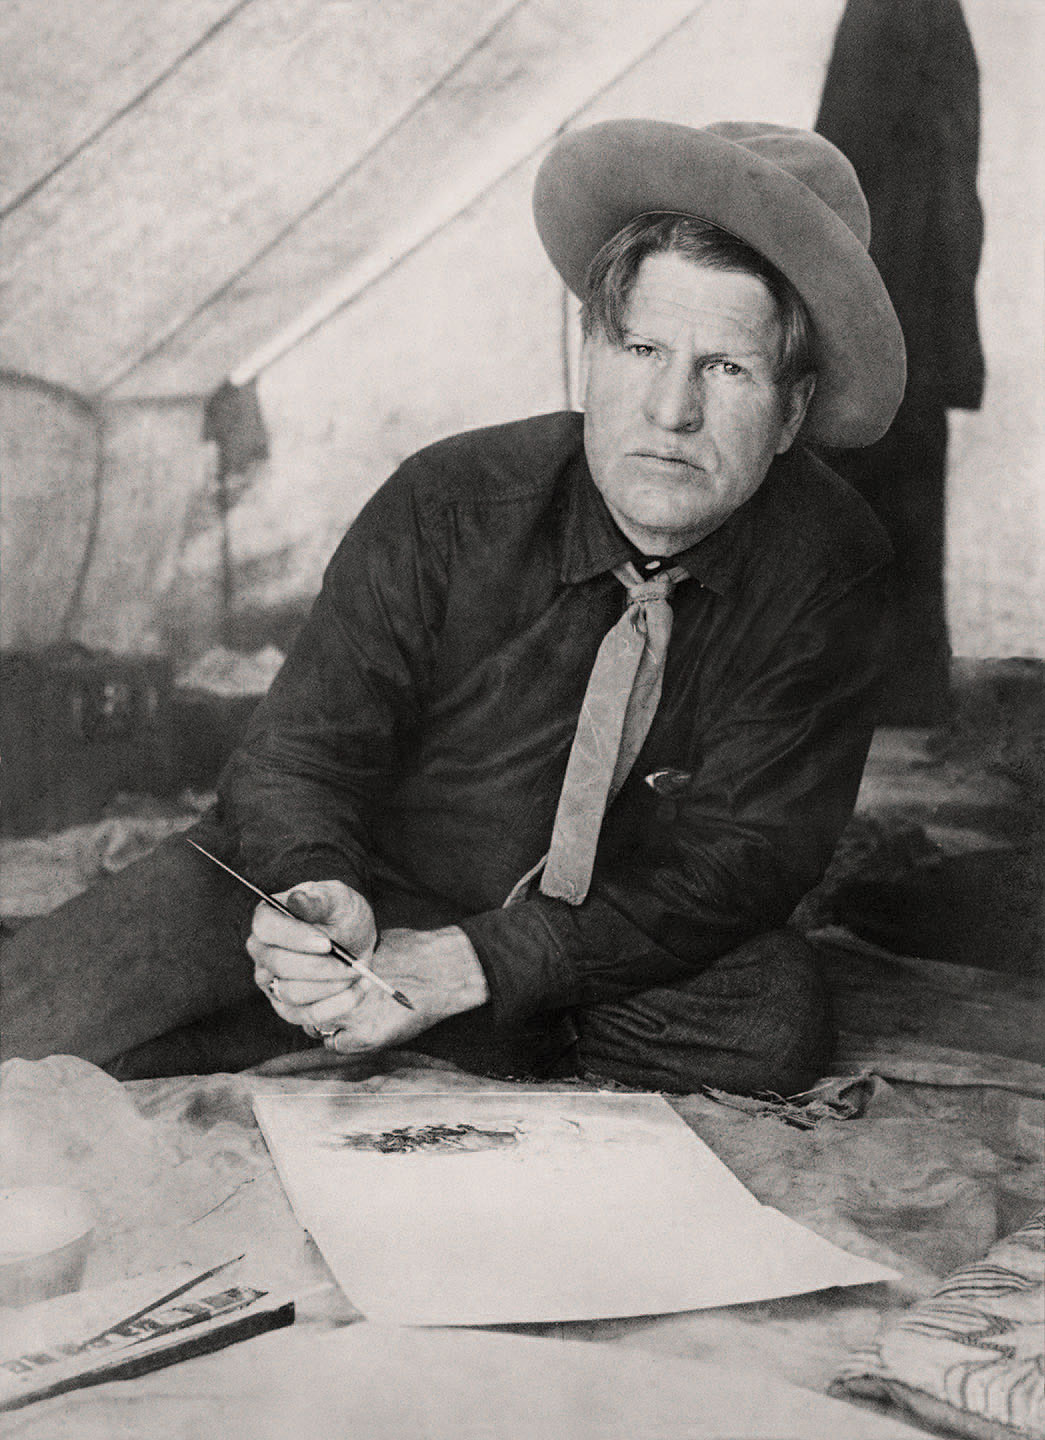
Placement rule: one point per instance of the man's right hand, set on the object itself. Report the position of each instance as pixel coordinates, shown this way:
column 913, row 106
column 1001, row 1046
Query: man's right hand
column 295, row 953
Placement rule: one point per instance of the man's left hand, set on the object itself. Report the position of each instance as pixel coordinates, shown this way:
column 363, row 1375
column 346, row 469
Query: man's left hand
column 438, row 971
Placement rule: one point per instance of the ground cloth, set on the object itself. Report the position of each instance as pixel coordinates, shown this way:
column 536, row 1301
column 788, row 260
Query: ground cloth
column 940, row 1157
column 926, row 1179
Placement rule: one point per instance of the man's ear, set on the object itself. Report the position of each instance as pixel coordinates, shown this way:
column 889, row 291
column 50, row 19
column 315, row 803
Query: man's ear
column 795, row 405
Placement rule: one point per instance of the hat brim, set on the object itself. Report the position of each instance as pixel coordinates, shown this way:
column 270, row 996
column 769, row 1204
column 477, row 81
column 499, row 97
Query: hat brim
column 598, row 179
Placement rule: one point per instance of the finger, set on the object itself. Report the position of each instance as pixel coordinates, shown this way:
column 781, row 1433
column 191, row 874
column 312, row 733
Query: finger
column 272, row 988
column 273, row 928
column 301, row 993
column 287, row 997
column 323, row 1013
column 342, row 1042
column 292, row 1014
column 349, row 1040
column 299, row 1003
column 285, row 1012
column 293, row 965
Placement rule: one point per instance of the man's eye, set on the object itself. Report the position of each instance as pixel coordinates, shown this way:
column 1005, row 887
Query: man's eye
column 726, row 367
column 636, row 347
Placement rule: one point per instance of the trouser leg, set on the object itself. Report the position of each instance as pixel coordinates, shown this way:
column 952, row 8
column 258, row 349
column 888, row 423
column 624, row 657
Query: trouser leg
column 156, row 946
column 146, row 974
column 535, row 1049
column 756, row 1020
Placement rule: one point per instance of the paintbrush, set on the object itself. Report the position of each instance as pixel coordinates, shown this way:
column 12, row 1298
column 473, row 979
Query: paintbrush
column 189, row 1284
column 335, row 949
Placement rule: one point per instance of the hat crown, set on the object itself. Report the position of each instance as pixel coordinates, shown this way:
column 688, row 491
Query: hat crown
column 818, row 164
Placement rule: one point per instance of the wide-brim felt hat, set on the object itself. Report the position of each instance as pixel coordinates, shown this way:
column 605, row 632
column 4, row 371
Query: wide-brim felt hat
column 790, row 194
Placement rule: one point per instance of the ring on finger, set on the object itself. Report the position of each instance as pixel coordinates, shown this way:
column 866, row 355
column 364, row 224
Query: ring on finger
column 273, row 989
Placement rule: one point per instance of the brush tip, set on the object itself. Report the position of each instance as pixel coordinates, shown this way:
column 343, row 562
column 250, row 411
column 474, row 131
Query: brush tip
column 398, row 995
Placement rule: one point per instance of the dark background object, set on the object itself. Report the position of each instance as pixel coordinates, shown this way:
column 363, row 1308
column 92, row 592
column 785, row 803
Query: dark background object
column 978, row 897
column 76, row 728
column 232, row 419
column 901, row 100
column 982, row 909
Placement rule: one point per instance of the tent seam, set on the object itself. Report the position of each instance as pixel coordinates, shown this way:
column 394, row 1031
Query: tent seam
column 114, row 119
column 288, row 229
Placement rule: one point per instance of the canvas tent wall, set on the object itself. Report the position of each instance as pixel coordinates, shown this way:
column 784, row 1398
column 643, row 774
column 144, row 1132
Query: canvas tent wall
column 185, row 182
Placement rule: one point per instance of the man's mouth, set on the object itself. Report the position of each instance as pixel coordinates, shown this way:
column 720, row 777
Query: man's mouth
column 666, row 457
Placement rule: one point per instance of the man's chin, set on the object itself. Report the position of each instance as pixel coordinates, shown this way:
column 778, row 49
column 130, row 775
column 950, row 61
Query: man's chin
column 661, row 530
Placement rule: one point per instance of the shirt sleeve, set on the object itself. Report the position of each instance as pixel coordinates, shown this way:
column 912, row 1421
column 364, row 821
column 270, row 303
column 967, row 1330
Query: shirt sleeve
column 750, row 832
column 319, row 750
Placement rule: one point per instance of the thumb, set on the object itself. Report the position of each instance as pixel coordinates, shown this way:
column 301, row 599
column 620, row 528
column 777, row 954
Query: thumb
column 310, row 906
column 339, row 910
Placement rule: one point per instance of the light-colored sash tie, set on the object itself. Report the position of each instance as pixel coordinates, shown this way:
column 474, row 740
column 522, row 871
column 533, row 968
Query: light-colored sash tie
column 616, row 714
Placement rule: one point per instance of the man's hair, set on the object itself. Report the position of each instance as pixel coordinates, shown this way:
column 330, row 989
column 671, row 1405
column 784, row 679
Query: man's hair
column 612, row 274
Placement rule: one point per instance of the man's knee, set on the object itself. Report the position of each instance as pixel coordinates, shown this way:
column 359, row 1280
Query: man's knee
column 151, row 948
column 757, row 1019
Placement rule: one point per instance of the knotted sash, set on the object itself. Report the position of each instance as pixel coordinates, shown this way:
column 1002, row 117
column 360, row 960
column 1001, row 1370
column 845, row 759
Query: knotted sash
column 616, row 714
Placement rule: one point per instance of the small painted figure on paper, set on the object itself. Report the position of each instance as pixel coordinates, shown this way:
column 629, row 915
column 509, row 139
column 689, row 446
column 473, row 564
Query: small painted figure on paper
column 432, row 1139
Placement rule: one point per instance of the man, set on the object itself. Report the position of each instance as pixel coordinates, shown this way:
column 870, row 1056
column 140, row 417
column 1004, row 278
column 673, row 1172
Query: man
column 572, row 838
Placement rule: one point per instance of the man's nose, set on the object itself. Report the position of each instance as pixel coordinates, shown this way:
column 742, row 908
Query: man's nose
column 675, row 398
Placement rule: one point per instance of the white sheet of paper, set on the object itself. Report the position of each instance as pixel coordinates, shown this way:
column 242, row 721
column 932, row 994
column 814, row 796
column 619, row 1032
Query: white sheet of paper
column 500, row 1208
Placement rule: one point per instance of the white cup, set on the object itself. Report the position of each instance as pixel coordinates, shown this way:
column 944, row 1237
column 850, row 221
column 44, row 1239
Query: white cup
column 45, row 1237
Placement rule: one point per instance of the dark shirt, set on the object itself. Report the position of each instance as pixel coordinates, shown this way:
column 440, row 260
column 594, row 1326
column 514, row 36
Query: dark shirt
column 416, row 739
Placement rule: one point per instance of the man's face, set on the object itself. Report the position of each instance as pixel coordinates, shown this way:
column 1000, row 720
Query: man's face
column 684, row 417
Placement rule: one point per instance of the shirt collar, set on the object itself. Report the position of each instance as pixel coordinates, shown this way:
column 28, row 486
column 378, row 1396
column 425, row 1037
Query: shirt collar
column 592, row 543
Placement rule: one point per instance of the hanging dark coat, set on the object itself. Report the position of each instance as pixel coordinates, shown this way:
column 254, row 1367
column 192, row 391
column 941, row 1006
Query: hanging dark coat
column 901, row 100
